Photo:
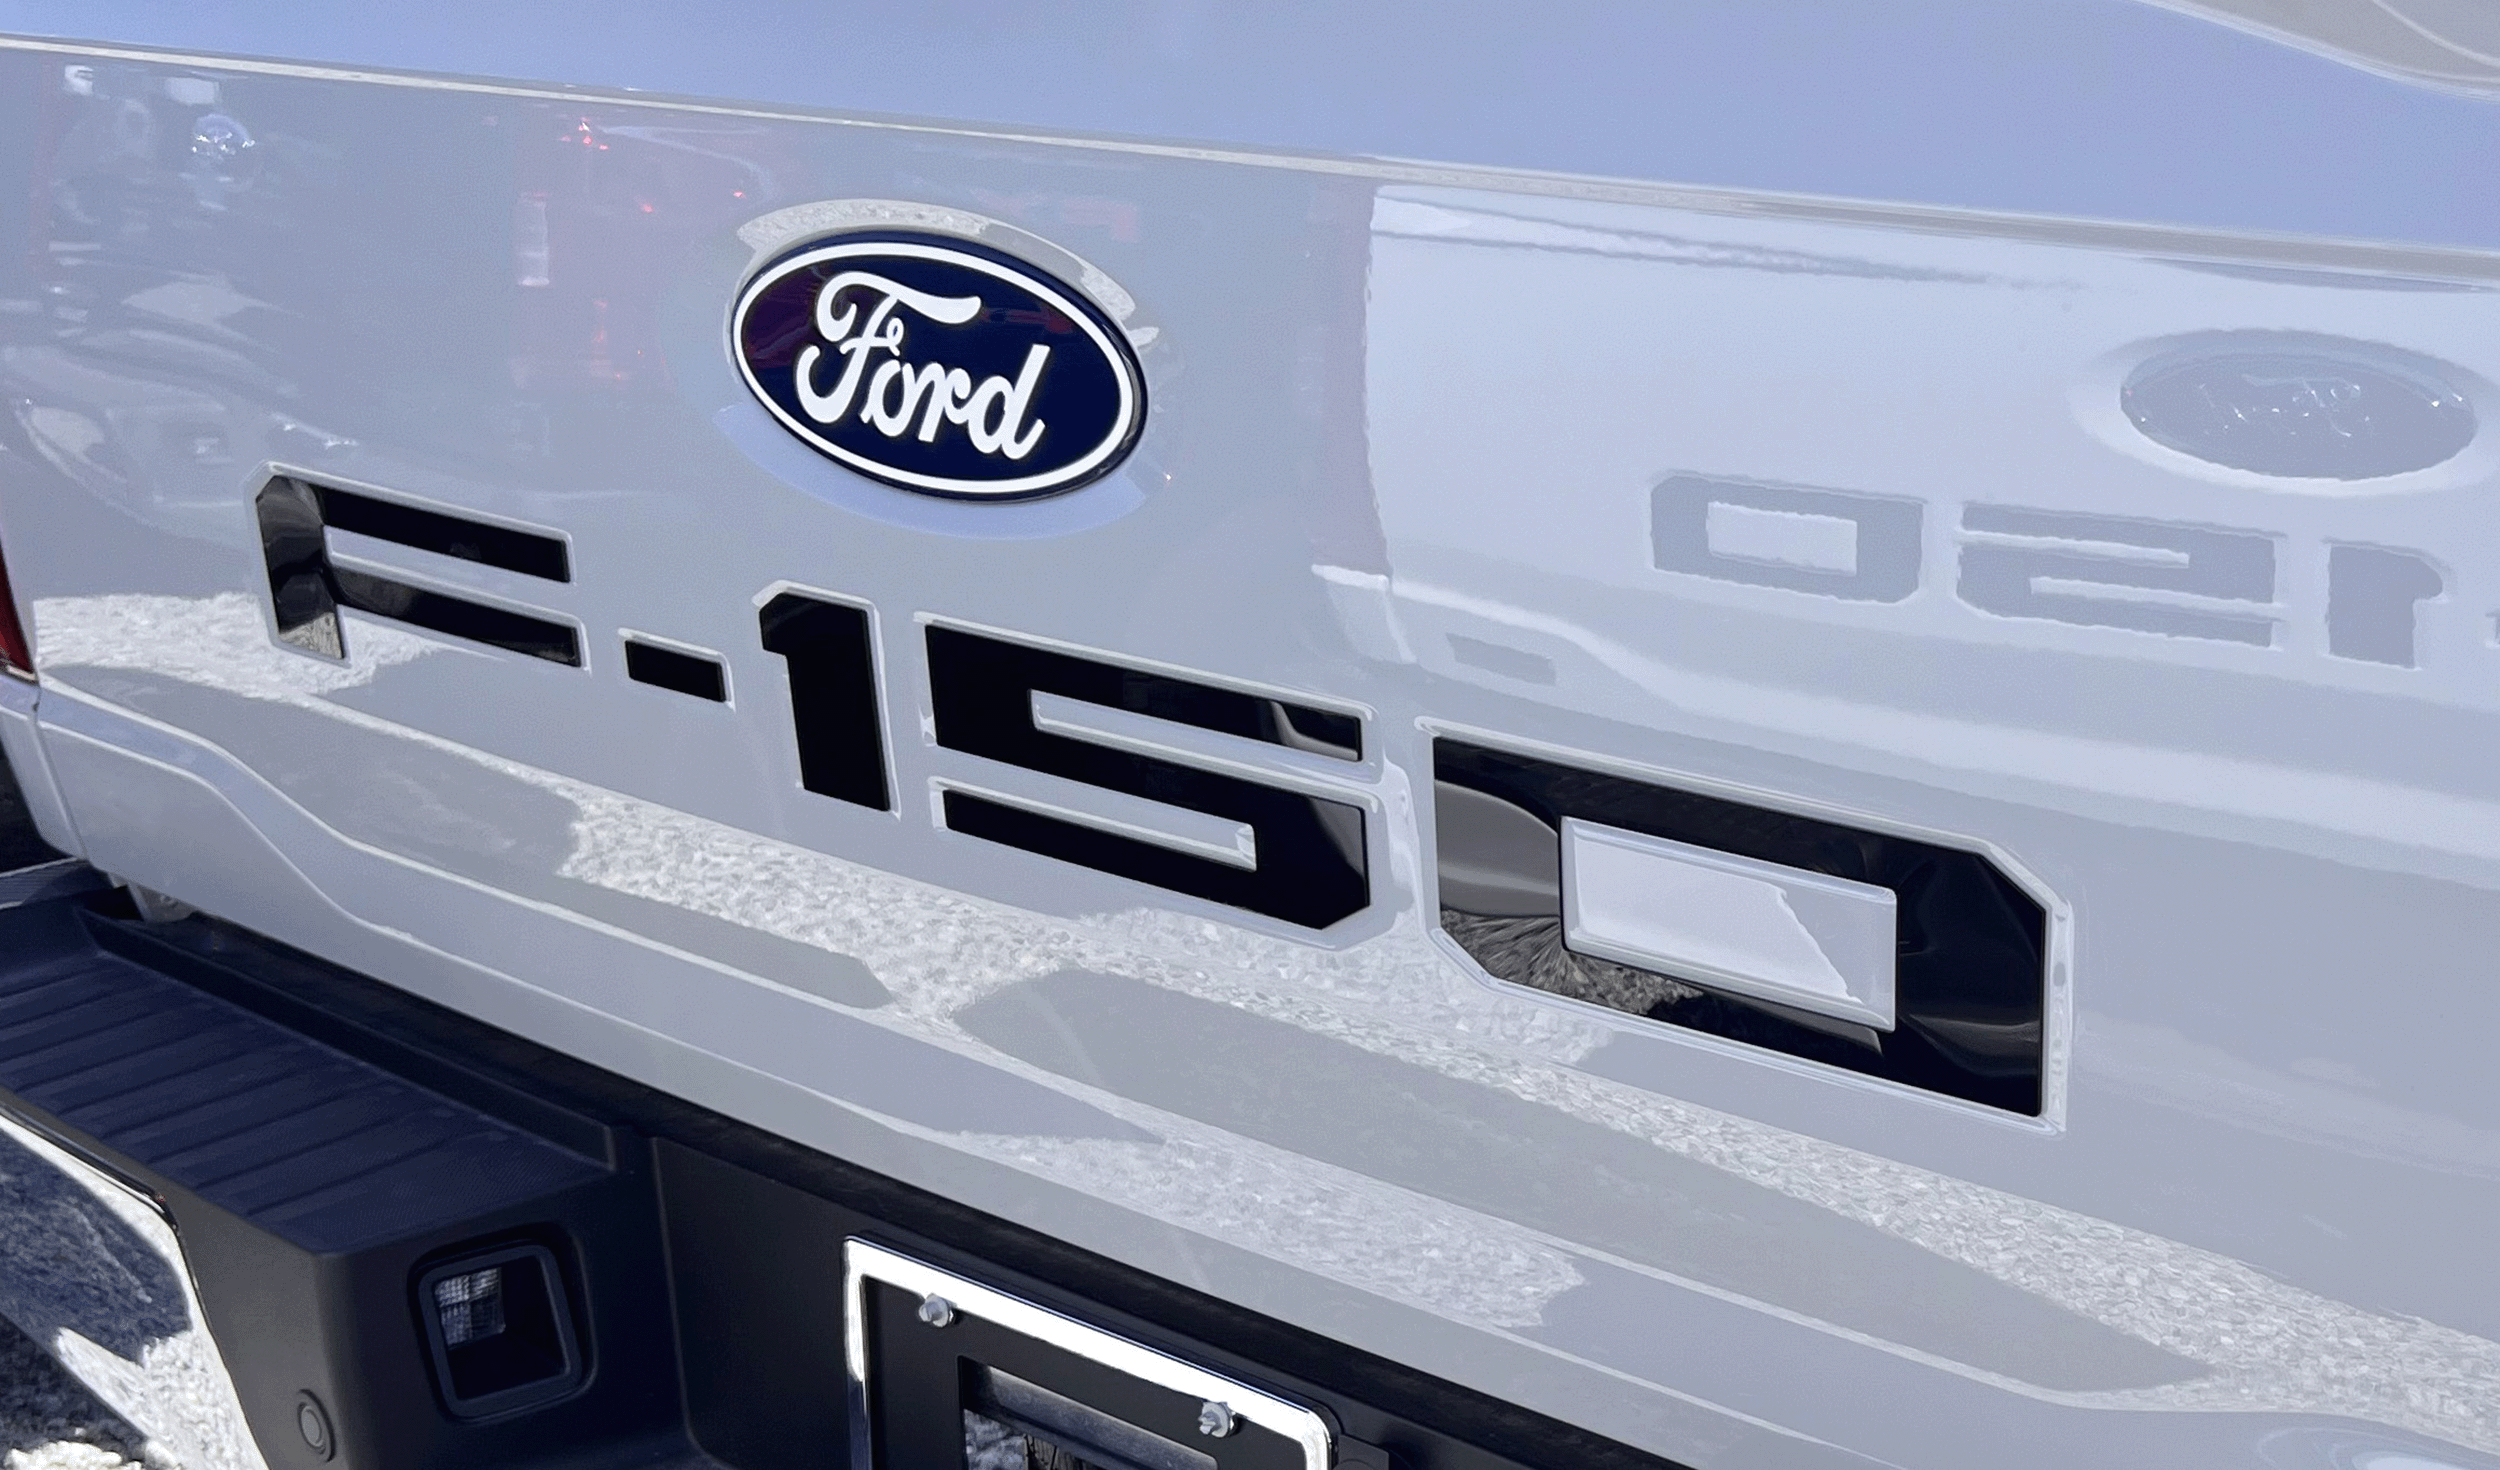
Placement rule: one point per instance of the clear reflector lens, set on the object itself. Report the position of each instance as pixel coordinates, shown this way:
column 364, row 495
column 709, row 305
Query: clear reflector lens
column 471, row 1306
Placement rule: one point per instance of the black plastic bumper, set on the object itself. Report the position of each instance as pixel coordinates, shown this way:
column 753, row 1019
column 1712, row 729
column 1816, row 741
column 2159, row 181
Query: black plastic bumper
column 332, row 1151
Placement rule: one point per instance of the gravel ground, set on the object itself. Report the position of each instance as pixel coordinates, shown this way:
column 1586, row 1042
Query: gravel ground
column 49, row 1422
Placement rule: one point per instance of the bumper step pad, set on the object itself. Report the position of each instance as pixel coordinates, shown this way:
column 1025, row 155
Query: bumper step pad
column 326, row 1152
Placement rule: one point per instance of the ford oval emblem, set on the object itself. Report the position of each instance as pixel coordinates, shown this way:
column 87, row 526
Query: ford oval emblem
column 936, row 365
column 2299, row 411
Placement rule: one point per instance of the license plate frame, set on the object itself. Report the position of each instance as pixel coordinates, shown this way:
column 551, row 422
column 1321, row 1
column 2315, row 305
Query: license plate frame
column 923, row 1345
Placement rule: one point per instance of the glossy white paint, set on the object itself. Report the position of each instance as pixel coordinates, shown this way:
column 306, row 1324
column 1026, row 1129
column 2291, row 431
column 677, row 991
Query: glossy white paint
column 1760, row 929
column 22, row 746
column 1482, row 442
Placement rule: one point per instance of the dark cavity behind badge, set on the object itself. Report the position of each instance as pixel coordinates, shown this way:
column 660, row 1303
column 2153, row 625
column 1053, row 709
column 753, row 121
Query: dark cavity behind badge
column 935, row 365
column 2304, row 409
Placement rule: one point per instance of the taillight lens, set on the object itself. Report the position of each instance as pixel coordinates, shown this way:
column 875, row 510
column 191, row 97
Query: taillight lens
column 16, row 656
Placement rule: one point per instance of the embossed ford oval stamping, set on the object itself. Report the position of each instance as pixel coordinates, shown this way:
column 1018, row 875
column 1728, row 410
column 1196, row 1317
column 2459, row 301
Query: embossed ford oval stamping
column 2299, row 411
column 934, row 365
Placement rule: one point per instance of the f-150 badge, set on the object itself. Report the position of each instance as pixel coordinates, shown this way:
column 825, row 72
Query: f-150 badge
column 935, row 365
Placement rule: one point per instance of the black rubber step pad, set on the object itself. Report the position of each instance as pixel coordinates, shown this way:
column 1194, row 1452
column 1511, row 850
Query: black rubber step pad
column 315, row 1146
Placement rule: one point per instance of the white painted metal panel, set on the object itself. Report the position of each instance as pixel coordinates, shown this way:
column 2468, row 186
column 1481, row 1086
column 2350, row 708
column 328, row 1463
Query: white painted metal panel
column 1761, row 929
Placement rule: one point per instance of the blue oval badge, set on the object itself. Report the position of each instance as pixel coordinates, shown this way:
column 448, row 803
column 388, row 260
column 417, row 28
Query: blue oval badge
column 938, row 366
column 2305, row 414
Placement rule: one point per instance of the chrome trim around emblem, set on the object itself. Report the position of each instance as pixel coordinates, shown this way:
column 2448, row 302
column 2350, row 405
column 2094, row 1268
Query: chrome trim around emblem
column 863, row 1262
